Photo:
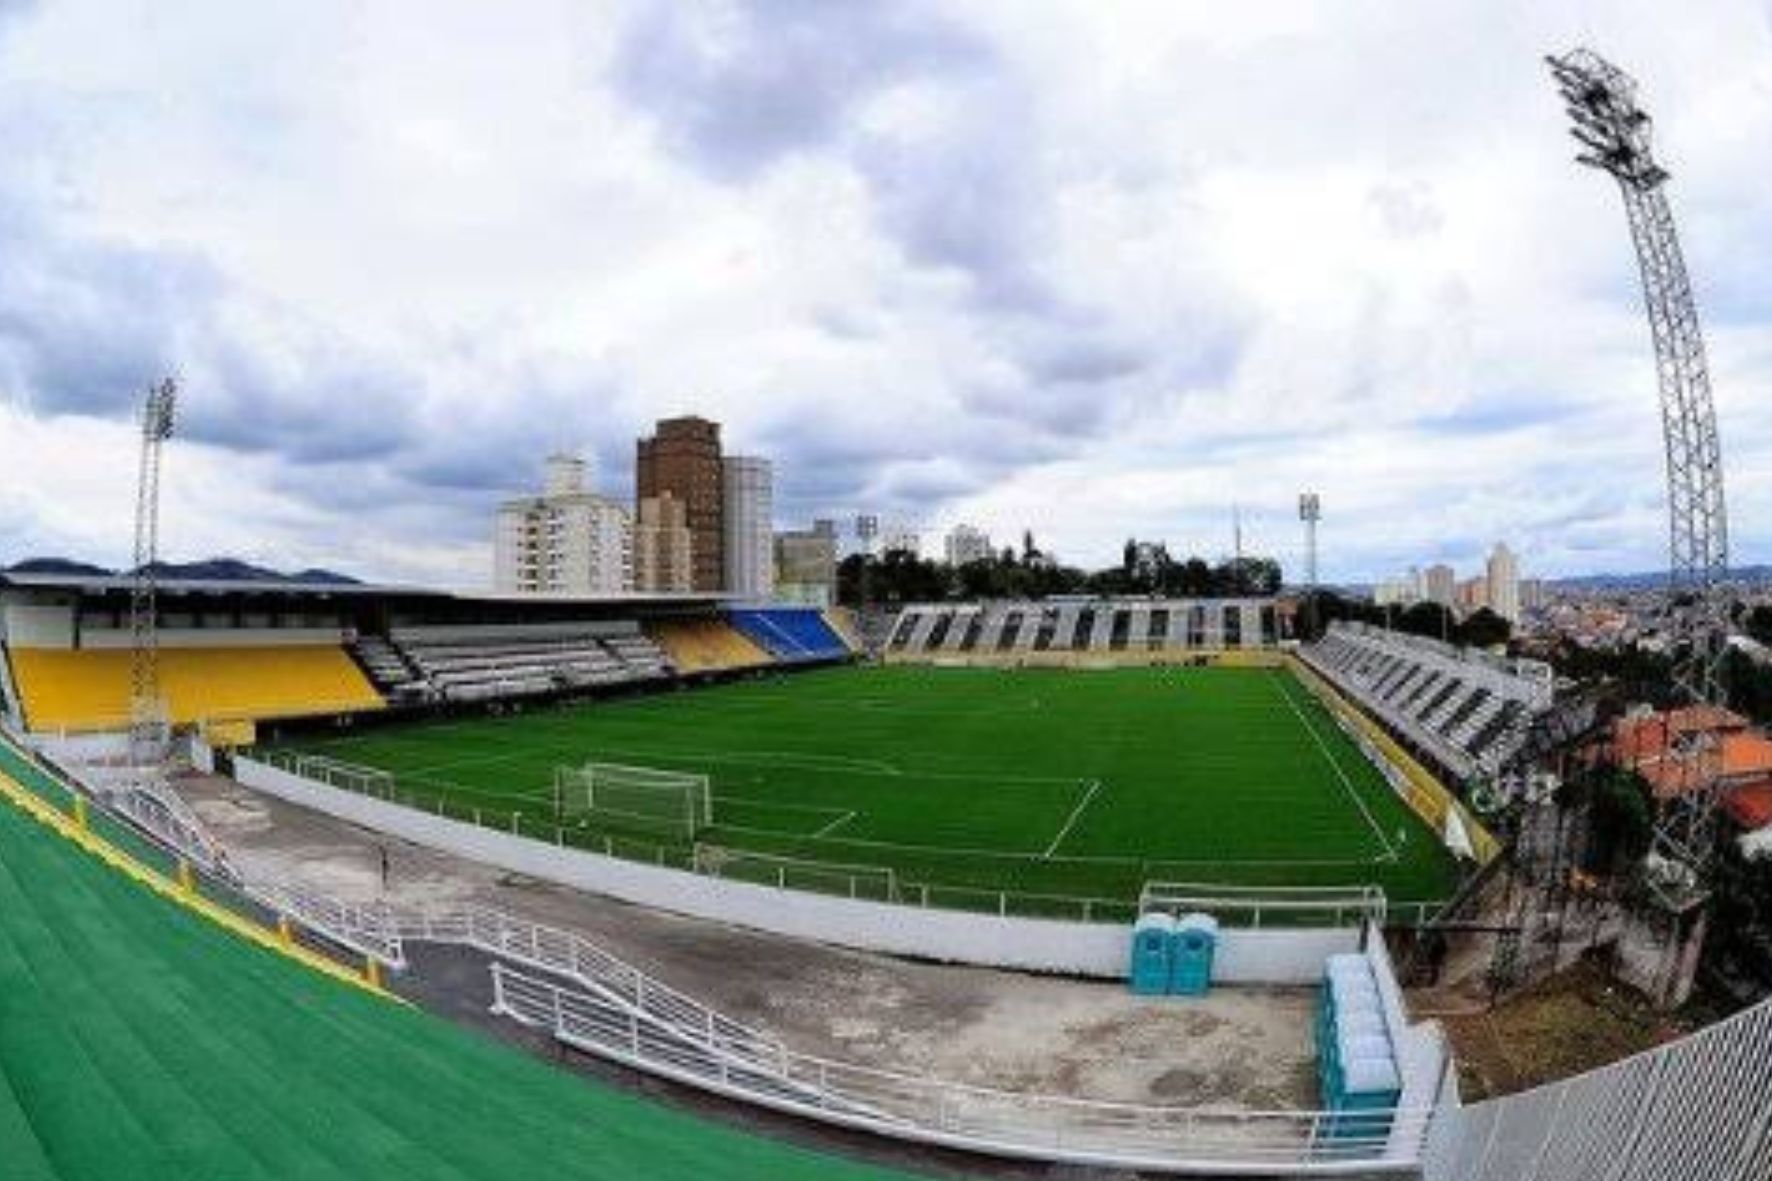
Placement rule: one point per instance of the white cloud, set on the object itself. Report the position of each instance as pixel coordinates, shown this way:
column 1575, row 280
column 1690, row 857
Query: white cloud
column 1096, row 271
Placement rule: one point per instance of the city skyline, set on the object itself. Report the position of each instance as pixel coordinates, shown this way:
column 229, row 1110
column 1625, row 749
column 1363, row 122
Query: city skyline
column 955, row 277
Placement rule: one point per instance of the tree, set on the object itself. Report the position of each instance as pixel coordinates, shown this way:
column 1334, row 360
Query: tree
column 1484, row 629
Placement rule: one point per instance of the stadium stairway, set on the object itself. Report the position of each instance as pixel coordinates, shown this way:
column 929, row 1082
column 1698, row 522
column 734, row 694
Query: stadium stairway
column 85, row 689
column 139, row 1041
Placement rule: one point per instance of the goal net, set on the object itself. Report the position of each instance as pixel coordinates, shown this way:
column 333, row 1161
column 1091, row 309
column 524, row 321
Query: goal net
column 878, row 883
column 649, row 800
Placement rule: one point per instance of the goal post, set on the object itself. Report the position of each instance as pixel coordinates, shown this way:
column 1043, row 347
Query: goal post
column 650, row 800
column 878, row 883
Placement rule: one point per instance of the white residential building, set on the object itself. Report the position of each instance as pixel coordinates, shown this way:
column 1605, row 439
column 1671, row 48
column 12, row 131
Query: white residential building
column 901, row 537
column 1504, row 583
column 965, row 544
column 748, row 493
column 567, row 541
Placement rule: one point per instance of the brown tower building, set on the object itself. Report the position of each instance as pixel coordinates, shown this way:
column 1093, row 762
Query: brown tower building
column 682, row 458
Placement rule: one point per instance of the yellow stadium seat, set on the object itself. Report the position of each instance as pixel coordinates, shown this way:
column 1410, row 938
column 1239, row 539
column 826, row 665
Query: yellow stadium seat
column 88, row 689
column 707, row 645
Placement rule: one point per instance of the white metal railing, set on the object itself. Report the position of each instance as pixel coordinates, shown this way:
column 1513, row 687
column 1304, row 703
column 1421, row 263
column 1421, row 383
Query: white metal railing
column 1337, row 906
column 1698, row 1108
column 1011, row 1123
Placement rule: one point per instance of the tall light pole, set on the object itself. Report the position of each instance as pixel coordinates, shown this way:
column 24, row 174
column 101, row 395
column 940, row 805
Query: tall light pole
column 1310, row 511
column 1614, row 133
column 147, row 709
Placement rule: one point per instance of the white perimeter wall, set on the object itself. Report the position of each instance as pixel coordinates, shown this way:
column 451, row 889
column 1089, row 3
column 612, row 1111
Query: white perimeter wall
column 1039, row 945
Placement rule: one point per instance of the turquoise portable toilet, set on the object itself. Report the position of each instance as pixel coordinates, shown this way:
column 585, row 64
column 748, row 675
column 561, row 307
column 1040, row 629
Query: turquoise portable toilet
column 1152, row 936
column 1191, row 951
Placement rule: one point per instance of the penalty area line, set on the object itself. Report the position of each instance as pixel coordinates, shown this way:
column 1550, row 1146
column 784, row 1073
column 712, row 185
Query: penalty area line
column 834, row 825
column 1071, row 820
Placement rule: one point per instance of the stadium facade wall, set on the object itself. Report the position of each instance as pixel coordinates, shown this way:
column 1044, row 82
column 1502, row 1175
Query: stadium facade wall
column 235, row 637
column 1425, row 795
column 1289, row 956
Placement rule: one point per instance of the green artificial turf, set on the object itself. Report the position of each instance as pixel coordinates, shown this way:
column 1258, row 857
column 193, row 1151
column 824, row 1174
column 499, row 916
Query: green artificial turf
column 1059, row 782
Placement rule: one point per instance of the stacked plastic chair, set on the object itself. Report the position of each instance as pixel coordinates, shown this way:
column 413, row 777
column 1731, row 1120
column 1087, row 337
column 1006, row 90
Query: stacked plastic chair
column 1356, row 1060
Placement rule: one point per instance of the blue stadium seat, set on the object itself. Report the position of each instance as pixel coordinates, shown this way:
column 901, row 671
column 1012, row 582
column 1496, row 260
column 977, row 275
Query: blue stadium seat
column 790, row 633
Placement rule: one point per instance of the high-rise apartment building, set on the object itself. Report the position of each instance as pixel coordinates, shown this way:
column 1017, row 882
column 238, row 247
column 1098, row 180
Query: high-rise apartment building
column 1439, row 584
column 663, row 546
column 567, row 541
column 748, row 493
column 965, row 544
column 806, row 564
column 1503, row 575
column 683, row 458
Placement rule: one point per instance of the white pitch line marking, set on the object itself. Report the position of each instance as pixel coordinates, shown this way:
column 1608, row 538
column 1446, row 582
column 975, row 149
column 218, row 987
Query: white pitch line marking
column 834, row 825
column 1346, row 784
column 1071, row 820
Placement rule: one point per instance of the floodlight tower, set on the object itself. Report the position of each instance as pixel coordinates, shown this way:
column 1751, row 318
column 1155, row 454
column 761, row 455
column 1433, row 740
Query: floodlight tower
column 1310, row 511
column 1614, row 133
column 147, row 714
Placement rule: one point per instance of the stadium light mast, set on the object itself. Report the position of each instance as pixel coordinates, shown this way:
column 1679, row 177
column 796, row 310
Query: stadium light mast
column 1614, row 133
column 1310, row 511
column 147, row 710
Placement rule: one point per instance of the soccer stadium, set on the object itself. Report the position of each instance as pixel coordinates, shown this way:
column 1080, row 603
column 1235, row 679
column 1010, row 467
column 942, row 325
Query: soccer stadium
column 688, row 846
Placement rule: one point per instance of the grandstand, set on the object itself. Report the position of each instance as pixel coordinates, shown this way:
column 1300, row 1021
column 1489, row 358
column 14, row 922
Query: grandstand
column 1058, row 631
column 72, row 689
column 1467, row 711
column 706, row 645
column 245, row 652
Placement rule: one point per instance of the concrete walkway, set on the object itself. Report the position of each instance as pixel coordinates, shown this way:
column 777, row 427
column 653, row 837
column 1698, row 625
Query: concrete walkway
column 1243, row 1047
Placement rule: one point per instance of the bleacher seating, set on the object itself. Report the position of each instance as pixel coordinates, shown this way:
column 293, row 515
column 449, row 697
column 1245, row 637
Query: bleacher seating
column 391, row 672
column 706, row 645
column 138, row 1041
column 487, row 662
column 791, row 634
column 1095, row 625
column 89, row 689
column 1467, row 709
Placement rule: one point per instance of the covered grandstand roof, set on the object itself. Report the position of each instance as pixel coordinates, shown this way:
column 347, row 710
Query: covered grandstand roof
column 99, row 584
column 137, row 1040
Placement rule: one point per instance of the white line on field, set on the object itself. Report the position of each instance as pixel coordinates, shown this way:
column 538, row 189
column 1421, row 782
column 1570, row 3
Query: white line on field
column 1347, row 785
column 834, row 825
column 1071, row 820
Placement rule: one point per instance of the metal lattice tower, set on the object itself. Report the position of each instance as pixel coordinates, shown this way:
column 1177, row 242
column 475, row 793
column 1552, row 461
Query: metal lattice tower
column 1310, row 511
column 147, row 711
column 1614, row 133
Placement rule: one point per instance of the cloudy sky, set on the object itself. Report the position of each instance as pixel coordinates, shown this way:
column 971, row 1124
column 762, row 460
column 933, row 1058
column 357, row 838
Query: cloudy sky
column 1094, row 268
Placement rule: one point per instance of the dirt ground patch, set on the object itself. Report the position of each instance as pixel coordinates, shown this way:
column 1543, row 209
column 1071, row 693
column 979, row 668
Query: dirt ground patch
column 1575, row 1021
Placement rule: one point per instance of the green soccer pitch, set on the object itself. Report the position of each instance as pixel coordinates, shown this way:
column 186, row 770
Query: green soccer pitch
column 1083, row 784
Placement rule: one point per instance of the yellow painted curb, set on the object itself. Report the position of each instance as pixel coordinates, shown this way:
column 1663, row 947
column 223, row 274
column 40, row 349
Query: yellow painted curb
column 1427, row 797
column 76, row 833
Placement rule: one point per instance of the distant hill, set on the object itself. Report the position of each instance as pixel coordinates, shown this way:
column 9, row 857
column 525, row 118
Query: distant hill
column 1653, row 579
column 59, row 566
column 208, row 570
